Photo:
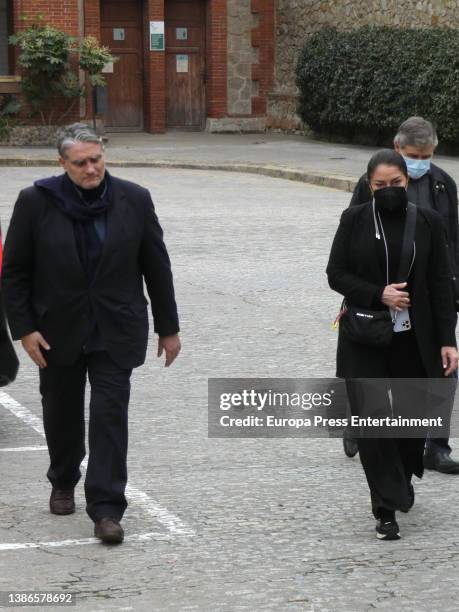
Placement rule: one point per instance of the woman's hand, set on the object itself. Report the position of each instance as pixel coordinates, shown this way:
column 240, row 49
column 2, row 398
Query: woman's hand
column 449, row 359
column 395, row 298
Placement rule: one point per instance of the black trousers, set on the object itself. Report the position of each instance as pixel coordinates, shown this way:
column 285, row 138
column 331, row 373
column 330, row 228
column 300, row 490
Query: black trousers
column 389, row 463
column 63, row 393
column 434, row 444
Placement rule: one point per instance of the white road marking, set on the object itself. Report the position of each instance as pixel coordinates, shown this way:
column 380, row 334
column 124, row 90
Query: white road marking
column 18, row 449
column 137, row 537
column 22, row 413
column 169, row 520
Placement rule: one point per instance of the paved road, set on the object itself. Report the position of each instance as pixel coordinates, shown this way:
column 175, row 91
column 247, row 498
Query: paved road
column 226, row 525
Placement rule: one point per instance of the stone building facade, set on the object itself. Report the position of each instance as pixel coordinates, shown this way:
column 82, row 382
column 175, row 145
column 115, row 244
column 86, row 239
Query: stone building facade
column 225, row 65
column 182, row 64
column 296, row 18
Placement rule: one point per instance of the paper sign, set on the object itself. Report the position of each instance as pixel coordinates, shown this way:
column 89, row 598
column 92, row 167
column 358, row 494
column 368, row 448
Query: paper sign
column 156, row 35
column 118, row 34
column 182, row 63
column 181, row 33
column 108, row 68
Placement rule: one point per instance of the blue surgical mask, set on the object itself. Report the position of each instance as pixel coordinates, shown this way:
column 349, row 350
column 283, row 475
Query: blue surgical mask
column 417, row 167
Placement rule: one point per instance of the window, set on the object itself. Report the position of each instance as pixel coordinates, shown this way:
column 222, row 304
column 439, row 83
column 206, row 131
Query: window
column 6, row 29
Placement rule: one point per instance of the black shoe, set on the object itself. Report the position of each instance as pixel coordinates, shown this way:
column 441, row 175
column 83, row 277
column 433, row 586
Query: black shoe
column 62, row 501
column 387, row 530
column 350, row 445
column 441, row 461
column 109, row 530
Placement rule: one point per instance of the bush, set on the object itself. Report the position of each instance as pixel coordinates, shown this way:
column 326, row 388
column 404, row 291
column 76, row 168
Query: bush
column 363, row 83
column 45, row 59
column 10, row 106
column 48, row 72
column 93, row 58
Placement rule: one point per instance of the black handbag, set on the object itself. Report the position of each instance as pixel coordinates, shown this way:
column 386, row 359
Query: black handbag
column 369, row 327
column 375, row 327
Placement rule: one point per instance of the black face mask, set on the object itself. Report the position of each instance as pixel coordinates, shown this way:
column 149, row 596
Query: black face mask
column 391, row 199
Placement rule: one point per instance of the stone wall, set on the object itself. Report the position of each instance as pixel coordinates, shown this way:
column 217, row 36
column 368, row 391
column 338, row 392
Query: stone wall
column 296, row 18
column 36, row 135
column 250, row 65
column 239, row 57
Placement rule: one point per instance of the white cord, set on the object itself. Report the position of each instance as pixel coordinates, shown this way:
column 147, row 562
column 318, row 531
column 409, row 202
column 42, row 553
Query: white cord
column 394, row 317
column 385, row 246
column 378, row 235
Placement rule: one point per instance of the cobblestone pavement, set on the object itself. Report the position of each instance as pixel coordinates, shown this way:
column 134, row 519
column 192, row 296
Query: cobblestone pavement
column 226, row 525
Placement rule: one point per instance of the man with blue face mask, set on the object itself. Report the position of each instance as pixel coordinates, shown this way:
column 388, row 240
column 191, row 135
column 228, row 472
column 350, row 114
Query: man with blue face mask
column 430, row 187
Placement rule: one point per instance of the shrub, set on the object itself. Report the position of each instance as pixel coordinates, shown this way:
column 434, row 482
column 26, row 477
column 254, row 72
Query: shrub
column 9, row 108
column 368, row 80
column 45, row 59
column 48, row 72
column 93, row 58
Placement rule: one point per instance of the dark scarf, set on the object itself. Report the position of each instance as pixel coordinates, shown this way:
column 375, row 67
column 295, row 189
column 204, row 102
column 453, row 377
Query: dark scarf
column 70, row 199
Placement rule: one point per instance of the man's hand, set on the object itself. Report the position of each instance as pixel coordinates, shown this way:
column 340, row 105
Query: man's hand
column 172, row 346
column 395, row 298
column 449, row 359
column 32, row 343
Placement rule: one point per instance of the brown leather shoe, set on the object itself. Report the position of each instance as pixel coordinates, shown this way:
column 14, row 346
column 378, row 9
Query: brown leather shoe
column 109, row 530
column 62, row 501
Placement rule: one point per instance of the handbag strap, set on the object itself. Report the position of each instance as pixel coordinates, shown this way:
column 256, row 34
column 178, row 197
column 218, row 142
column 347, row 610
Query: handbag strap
column 406, row 256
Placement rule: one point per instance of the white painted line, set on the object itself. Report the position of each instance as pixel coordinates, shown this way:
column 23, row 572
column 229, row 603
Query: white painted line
column 19, row 449
column 169, row 520
column 140, row 537
column 22, row 413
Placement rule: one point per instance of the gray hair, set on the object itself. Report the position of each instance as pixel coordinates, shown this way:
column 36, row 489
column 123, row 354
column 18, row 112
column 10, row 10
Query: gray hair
column 76, row 132
column 416, row 132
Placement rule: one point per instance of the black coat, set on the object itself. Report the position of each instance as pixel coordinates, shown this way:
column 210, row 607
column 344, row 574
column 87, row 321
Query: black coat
column 355, row 272
column 444, row 199
column 46, row 289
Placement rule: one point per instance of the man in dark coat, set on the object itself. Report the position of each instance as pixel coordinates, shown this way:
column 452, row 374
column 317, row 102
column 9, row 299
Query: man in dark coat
column 78, row 250
column 429, row 187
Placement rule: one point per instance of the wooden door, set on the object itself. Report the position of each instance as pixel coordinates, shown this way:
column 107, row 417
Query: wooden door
column 121, row 29
column 185, row 64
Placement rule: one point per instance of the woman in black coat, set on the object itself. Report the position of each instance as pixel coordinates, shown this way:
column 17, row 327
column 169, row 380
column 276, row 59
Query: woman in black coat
column 363, row 267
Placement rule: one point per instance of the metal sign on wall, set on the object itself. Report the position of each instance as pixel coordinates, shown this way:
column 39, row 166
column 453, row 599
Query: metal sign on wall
column 157, row 36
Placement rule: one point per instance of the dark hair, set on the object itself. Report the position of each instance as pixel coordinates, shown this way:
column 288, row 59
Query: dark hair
column 388, row 157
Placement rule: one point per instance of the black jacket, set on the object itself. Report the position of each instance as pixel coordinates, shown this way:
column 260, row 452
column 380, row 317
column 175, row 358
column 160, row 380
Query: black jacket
column 354, row 271
column 444, row 198
column 46, row 289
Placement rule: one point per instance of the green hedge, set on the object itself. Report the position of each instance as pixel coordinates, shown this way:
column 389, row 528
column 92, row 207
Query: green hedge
column 361, row 84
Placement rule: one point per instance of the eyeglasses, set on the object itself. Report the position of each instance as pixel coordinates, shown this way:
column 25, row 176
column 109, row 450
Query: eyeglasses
column 80, row 163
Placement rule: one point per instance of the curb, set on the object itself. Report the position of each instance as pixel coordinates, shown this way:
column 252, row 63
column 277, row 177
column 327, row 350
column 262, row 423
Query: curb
column 342, row 183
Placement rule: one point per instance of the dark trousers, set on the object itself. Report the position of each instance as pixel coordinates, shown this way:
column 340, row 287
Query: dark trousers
column 389, row 463
column 434, row 444
column 63, row 391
